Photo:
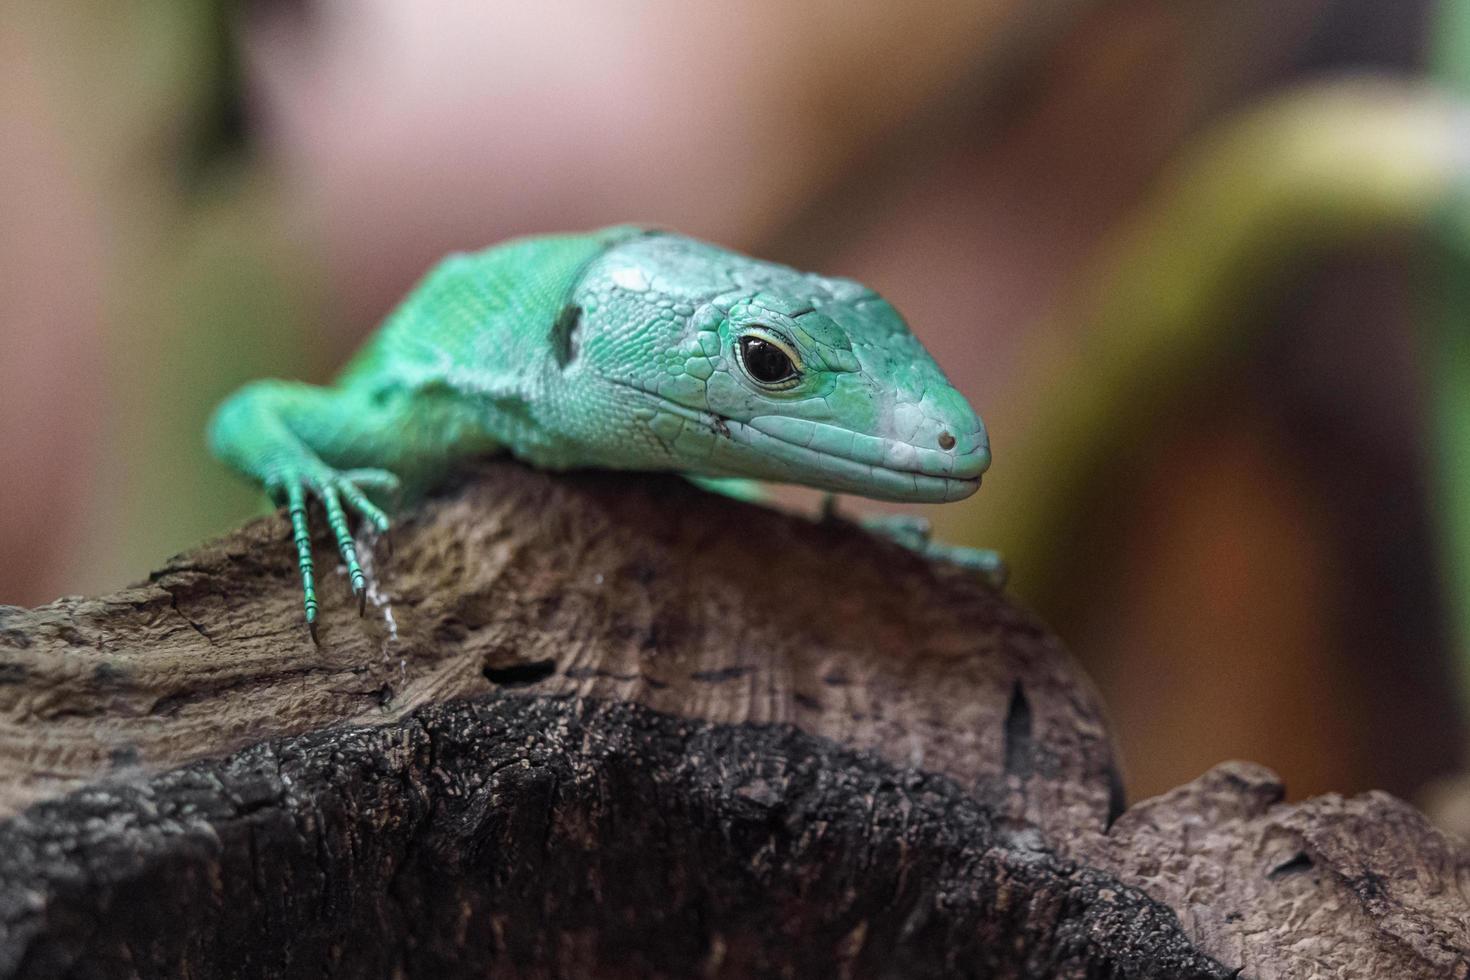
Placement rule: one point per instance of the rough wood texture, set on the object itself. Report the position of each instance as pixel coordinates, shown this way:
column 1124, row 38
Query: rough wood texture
column 613, row 725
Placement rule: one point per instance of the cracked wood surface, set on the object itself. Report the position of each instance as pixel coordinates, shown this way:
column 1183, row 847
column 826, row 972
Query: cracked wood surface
column 614, row 724
column 597, row 586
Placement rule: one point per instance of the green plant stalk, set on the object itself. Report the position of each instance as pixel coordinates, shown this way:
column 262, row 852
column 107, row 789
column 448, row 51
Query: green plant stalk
column 1450, row 408
column 1449, row 340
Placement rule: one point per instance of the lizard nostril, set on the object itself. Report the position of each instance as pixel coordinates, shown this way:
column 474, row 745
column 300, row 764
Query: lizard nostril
column 946, row 441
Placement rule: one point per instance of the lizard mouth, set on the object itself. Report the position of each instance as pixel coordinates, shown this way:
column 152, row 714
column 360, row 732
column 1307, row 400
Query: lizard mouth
column 855, row 471
column 829, row 457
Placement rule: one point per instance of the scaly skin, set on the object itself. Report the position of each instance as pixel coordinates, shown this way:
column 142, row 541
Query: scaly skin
column 621, row 349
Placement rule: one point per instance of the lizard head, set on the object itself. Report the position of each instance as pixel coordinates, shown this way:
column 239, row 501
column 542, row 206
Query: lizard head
column 728, row 366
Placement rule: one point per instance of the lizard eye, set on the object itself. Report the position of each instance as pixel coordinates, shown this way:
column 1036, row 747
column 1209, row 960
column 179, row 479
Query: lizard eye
column 767, row 362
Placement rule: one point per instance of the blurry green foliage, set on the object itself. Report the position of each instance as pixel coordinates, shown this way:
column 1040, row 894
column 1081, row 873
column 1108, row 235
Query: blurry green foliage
column 1450, row 336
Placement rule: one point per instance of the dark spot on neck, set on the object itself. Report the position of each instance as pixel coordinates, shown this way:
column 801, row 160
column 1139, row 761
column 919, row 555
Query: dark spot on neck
column 564, row 334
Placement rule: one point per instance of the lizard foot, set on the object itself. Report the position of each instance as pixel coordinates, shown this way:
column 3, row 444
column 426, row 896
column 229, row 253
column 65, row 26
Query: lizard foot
column 915, row 534
column 333, row 488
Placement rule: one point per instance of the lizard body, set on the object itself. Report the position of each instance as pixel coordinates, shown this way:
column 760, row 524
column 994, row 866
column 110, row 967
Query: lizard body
column 623, row 349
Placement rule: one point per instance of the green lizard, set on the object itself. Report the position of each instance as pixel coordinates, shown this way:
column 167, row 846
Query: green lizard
column 624, row 349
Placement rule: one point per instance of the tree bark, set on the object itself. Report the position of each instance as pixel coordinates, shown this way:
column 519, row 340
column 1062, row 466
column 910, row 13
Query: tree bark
column 611, row 725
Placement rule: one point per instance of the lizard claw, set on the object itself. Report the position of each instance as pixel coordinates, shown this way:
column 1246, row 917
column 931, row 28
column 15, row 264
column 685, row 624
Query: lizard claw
column 316, row 640
column 988, row 564
column 333, row 489
column 911, row 531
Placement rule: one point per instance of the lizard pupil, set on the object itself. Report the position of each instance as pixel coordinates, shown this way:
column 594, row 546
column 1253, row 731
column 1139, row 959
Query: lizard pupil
column 766, row 362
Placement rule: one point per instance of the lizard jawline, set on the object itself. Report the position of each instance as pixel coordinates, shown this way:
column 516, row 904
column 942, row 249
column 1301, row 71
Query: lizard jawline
column 815, row 468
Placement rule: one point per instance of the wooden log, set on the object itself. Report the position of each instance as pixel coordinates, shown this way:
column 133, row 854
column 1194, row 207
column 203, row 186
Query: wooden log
column 611, row 725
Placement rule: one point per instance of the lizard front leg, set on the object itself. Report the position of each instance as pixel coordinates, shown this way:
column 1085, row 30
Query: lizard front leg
column 337, row 445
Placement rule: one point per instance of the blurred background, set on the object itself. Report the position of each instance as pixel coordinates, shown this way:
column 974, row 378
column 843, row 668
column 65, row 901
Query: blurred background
column 1197, row 262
